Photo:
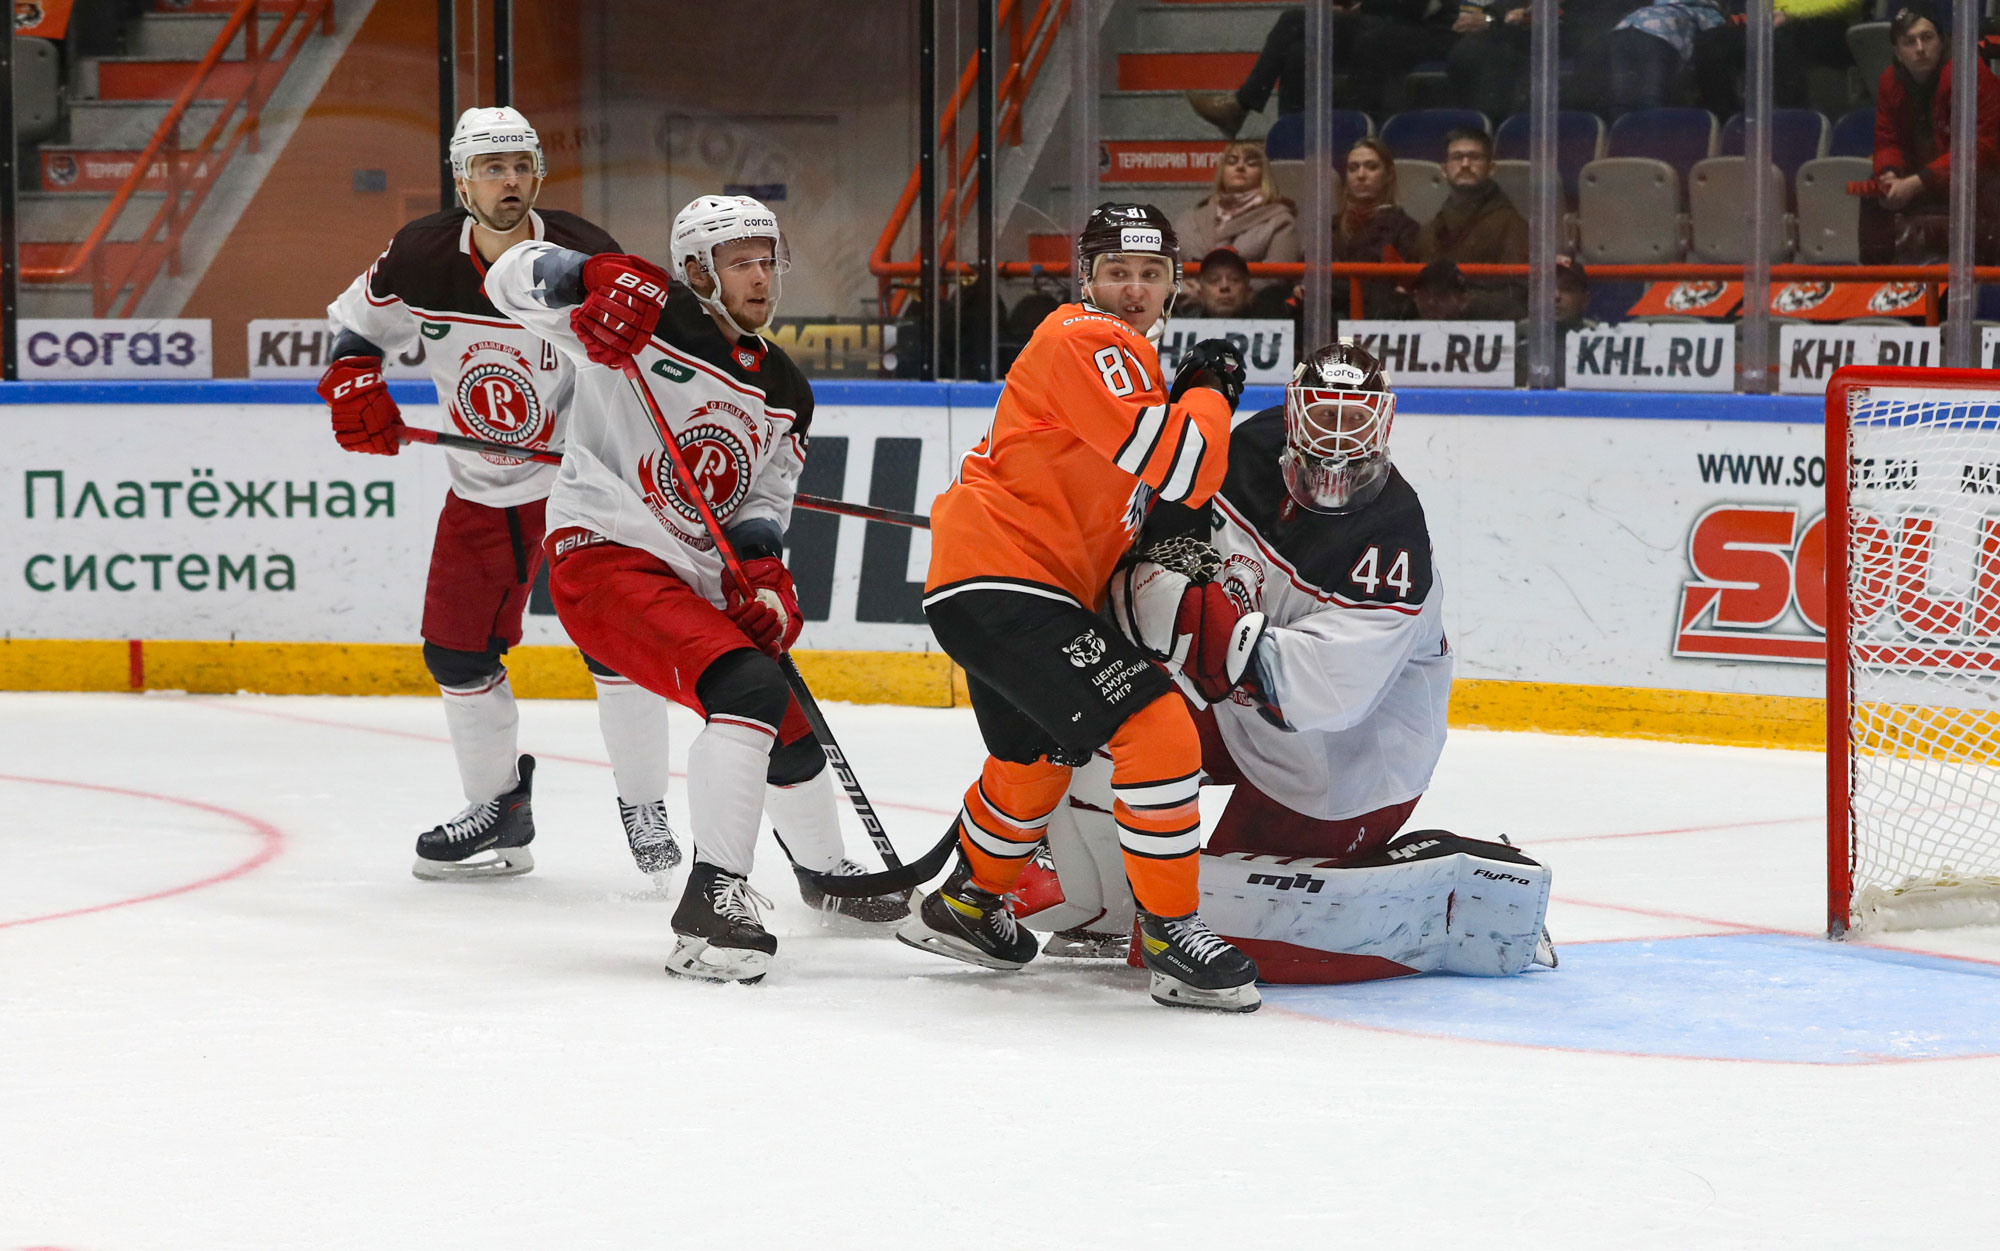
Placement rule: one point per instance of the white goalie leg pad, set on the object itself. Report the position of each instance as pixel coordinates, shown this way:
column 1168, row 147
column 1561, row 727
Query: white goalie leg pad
column 726, row 766
column 633, row 721
column 807, row 817
column 485, row 728
column 1426, row 906
column 1083, row 849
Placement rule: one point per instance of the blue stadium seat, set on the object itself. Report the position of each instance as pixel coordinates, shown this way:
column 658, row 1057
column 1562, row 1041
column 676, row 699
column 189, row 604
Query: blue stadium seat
column 1579, row 141
column 1853, row 135
column 1286, row 140
column 1797, row 136
column 1420, row 133
column 1680, row 137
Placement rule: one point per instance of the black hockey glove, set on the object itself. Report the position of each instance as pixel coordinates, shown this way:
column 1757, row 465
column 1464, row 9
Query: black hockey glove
column 1215, row 362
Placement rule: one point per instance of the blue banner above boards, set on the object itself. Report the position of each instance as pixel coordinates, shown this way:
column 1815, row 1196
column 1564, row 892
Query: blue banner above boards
column 1654, row 406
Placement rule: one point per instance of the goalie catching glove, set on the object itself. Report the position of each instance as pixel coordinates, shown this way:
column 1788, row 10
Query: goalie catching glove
column 1166, row 603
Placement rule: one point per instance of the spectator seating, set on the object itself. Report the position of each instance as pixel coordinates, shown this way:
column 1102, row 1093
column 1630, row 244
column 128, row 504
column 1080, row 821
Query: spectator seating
column 1853, row 135
column 1629, row 212
column 36, row 89
column 1797, row 136
column 1513, row 177
column 1579, row 141
column 1680, row 137
column 1719, row 205
column 1286, row 140
column 1829, row 218
column 1420, row 187
column 1420, row 133
column 1869, row 42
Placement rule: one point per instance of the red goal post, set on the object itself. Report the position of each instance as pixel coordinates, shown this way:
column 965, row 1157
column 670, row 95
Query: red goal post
column 1913, row 648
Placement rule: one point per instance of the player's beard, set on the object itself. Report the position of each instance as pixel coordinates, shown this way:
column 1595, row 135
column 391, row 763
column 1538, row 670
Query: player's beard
column 505, row 216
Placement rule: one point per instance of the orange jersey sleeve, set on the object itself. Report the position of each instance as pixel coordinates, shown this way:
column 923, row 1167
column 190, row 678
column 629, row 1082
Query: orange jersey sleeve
column 1083, row 441
column 1104, row 382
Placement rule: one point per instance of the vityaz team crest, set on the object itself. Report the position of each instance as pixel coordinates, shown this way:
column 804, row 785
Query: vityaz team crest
column 497, row 401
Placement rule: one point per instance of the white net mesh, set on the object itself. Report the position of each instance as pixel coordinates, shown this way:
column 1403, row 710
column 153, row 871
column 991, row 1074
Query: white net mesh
column 1923, row 602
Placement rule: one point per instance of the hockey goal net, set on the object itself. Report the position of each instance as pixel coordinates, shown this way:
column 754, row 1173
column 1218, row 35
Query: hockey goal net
column 1913, row 648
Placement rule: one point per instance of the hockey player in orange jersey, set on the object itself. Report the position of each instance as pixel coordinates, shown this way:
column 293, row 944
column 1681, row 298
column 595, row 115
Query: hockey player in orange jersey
column 1087, row 436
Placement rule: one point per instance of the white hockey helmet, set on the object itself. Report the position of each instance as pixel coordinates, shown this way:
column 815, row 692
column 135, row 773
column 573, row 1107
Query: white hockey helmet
column 482, row 132
column 1338, row 411
column 710, row 221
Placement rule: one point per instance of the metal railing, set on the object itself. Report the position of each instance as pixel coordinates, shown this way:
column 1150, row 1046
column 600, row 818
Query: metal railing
column 119, row 277
column 1029, row 46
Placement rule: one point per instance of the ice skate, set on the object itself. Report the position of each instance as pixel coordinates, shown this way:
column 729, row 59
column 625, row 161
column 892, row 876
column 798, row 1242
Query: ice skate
column 877, row 909
column 1085, row 944
column 650, row 838
column 1193, row 967
column 720, row 937
column 966, row 923
column 486, row 840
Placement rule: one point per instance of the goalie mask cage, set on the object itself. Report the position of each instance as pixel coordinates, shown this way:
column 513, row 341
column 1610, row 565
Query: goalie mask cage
column 1912, row 648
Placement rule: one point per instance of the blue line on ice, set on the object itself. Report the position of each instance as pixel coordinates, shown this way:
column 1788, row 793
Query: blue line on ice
column 1770, row 997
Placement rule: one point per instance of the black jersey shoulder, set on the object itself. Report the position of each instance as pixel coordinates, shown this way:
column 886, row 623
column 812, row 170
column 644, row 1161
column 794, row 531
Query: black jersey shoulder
column 685, row 324
column 575, row 233
column 1327, row 549
column 427, row 267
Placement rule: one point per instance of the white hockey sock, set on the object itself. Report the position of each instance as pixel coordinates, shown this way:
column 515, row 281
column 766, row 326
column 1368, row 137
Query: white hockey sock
column 634, row 723
column 805, row 816
column 484, row 727
column 726, row 766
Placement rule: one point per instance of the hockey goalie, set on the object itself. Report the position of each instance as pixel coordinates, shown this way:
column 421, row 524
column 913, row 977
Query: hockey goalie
column 1328, row 722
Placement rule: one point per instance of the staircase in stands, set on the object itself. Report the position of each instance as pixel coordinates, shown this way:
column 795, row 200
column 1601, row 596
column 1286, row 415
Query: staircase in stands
column 116, row 104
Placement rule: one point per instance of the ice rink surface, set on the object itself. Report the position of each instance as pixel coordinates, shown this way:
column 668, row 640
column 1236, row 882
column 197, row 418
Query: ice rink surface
column 230, row 1018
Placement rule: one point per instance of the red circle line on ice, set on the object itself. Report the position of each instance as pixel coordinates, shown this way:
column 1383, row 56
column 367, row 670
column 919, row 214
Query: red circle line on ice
column 270, row 842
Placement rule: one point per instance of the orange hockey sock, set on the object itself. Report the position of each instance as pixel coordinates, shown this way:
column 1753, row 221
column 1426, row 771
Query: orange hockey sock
column 1155, row 777
column 1005, row 814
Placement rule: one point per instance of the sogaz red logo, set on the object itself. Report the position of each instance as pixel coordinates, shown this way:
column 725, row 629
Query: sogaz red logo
column 1918, row 600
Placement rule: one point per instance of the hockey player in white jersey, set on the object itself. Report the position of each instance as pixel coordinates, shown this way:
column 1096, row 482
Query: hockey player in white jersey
column 1331, row 732
column 634, row 572
column 500, row 383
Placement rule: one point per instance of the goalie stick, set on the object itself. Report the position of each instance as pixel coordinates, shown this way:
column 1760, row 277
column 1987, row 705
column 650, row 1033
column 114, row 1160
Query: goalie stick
column 815, row 503
column 832, row 884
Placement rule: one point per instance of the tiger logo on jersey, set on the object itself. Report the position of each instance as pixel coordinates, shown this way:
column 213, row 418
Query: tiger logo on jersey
column 497, row 401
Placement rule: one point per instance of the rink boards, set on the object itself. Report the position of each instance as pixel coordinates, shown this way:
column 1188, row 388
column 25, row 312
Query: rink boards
column 1614, row 563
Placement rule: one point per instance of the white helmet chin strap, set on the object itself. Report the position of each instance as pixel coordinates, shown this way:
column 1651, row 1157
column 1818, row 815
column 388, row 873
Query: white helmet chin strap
column 715, row 306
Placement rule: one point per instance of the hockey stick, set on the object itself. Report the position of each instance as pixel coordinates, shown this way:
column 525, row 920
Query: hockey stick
column 865, row 884
column 816, row 503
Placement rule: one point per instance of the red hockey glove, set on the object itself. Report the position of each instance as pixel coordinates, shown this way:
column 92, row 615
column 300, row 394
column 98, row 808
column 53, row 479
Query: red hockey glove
column 365, row 416
column 770, row 619
column 622, row 302
column 1193, row 628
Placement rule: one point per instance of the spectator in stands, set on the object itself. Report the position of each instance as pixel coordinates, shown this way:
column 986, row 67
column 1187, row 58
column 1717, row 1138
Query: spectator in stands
column 1373, row 227
column 1572, row 313
column 1375, row 43
column 1281, row 66
column 1908, row 221
column 1478, row 224
column 1441, row 293
column 1806, row 33
column 1222, row 289
column 1489, row 64
column 1636, row 64
column 1244, row 213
